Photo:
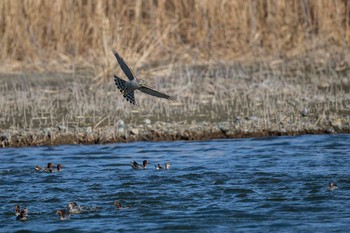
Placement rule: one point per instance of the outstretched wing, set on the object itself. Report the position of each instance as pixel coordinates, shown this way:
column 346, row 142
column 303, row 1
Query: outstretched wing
column 128, row 95
column 155, row 93
column 126, row 69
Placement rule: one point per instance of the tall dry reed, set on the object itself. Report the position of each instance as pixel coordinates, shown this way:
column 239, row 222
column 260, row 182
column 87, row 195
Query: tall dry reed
column 58, row 34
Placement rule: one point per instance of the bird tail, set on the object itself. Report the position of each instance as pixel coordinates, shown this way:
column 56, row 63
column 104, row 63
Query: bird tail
column 121, row 84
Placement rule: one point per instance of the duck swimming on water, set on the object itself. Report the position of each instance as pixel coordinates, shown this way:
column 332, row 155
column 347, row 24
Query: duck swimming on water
column 59, row 167
column 332, row 186
column 49, row 168
column 119, row 205
column 64, row 215
column 137, row 166
column 23, row 215
column 73, row 208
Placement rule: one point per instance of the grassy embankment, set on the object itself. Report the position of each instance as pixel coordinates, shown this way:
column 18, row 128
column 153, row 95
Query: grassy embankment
column 251, row 65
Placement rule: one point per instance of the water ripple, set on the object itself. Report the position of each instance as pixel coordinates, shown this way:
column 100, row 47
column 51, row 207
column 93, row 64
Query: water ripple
column 262, row 184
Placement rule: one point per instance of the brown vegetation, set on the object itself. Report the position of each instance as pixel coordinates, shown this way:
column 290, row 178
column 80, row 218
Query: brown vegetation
column 252, row 66
column 54, row 35
column 215, row 101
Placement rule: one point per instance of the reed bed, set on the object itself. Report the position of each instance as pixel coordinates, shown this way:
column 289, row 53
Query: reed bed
column 56, row 35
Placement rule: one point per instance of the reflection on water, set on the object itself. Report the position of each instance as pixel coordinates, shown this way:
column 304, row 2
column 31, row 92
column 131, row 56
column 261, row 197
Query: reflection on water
column 266, row 184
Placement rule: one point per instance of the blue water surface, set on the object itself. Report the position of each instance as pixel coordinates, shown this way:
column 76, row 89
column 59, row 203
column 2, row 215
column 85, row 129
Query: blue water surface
column 275, row 184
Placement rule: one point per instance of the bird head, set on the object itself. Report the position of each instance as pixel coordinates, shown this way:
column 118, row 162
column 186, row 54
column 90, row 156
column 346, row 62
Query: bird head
column 142, row 82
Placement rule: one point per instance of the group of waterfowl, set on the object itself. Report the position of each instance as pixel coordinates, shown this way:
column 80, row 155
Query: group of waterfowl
column 135, row 165
column 138, row 166
column 50, row 168
column 65, row 213
column 73, row 207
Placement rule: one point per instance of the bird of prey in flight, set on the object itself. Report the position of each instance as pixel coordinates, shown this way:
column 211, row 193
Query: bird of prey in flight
column 127, row 88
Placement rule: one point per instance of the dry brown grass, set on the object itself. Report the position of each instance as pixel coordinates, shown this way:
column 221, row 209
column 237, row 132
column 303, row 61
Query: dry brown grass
column 268, row 96
column 287, row 55
column 56, row 35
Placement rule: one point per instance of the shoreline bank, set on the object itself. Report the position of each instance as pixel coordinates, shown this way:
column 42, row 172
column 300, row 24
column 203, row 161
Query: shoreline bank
column 162, row 131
